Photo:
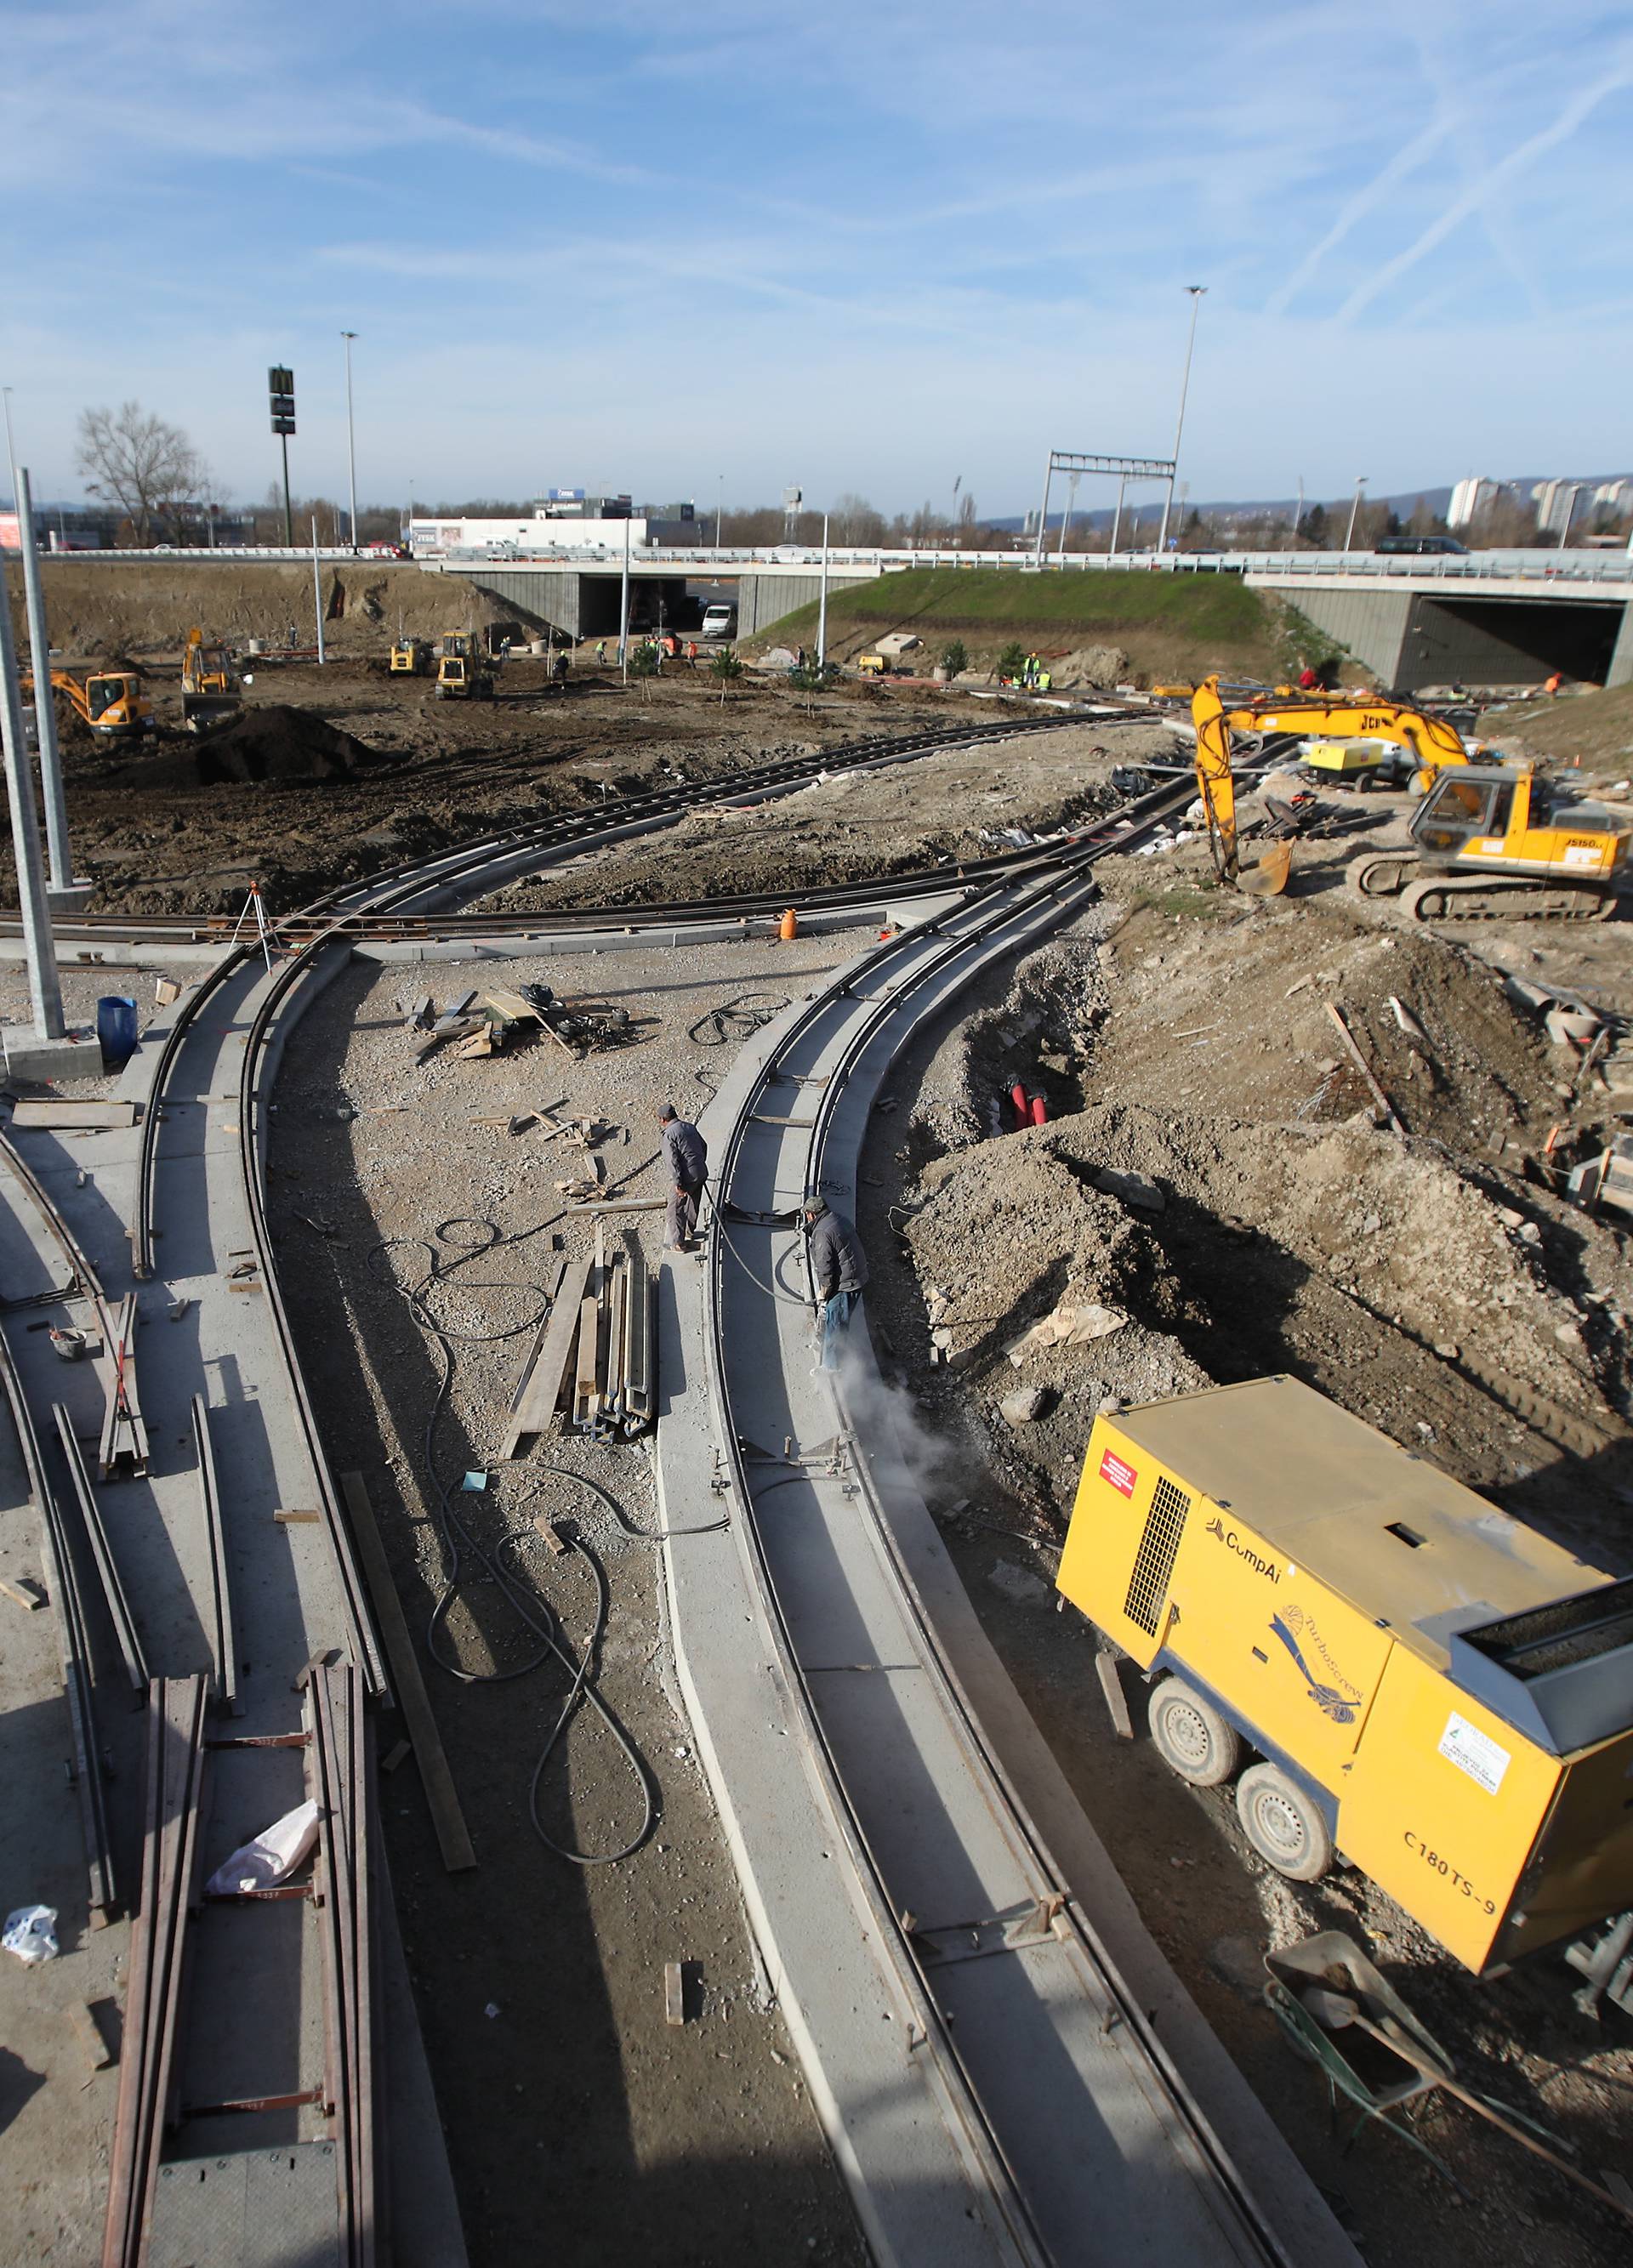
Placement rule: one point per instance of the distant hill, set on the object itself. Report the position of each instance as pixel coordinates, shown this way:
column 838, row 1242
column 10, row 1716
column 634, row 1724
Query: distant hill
column 1404, row 502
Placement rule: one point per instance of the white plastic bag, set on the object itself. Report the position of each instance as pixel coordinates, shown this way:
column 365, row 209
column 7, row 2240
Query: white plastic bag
column 31, row 1933
column 272, row 1857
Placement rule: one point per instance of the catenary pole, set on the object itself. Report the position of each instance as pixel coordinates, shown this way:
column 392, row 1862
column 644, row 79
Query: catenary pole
column 317, row 590
column 1196, row 291
column 624, row 610
column 45, row 987
column 1043, row 509
column 45, row 701
column 822, row 604
column 11, row 451
column 351, row 455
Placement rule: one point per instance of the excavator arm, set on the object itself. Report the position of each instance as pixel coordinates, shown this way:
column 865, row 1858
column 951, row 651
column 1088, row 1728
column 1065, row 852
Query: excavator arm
column 1268, row 877
column 1430, row 741
column 1213, row 774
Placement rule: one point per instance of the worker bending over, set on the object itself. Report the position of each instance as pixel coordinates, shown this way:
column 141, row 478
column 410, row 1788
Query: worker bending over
column 839, row 1271
column 687, row 1155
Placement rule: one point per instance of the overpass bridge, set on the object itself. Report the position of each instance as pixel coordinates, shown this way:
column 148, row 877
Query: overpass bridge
column 1481, row 618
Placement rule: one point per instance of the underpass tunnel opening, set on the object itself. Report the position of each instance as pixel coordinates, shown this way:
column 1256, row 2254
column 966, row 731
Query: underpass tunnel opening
column 1508, row 641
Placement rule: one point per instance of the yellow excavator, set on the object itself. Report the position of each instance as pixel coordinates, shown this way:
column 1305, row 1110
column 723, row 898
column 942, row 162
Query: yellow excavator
column 209, row 687
column 1361, row 742
column 411, row 657
column 1268, row 877
column 1493, row 841
column 110, row 701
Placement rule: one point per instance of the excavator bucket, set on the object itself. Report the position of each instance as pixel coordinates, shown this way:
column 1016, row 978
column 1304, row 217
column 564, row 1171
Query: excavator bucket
column 1213, row 774
column 1268, row 877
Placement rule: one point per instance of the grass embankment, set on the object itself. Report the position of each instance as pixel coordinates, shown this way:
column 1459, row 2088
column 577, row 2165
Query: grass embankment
column 1588, row 728
column 1166, row 625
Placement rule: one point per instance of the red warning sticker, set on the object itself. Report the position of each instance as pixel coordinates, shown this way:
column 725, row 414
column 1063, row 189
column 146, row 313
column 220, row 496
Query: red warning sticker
column 1120, row 1475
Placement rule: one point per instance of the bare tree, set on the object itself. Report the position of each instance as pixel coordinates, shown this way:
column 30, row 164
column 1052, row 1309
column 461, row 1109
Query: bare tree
column 136, row 462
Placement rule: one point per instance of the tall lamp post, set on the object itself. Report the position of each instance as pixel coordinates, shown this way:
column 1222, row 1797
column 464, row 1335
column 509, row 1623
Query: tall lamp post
column 1349, row 533
column 1196, row 291
column 822, row 605
column 352, row 456
column 10, row 453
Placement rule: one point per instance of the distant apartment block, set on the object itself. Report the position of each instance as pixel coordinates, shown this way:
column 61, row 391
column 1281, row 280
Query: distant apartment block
column 1469, row 499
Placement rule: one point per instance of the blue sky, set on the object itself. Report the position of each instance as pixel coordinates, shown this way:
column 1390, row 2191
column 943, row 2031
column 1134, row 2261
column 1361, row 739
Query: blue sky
column 867, row 248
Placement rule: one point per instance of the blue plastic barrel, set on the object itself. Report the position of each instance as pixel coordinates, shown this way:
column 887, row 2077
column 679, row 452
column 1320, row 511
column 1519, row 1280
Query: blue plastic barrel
column 116, row 1029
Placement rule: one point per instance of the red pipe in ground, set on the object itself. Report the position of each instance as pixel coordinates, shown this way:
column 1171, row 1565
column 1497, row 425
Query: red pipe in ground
column 1039, row 1112
column 1017, row 1097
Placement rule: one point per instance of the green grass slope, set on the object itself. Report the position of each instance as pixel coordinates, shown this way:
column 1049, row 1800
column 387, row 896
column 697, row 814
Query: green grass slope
column 1166, row 624
column 1589, row 728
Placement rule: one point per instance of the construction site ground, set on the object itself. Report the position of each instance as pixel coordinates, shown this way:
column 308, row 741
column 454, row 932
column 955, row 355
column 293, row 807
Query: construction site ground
column 1177, row 1031
column 571, row 2103
column 154, row 838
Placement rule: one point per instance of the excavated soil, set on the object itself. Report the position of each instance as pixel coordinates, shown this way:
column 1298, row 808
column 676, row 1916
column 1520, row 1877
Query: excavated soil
column 1182, row 1041
column 966, row 804
column 416, row 774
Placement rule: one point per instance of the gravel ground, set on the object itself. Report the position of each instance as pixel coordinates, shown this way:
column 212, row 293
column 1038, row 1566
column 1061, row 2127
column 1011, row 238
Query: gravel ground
column 965, row 804
column 1323, row 1247
column 540, row 1983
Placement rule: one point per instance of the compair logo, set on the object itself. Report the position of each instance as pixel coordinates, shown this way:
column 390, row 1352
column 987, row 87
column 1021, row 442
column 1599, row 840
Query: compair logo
column 1245, row 1552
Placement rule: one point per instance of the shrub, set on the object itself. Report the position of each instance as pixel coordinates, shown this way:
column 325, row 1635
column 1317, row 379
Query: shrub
column 955, row 661
column 1012, row 660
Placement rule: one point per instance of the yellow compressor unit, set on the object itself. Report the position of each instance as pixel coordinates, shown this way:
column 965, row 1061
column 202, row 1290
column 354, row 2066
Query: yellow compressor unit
column 1433, row 1689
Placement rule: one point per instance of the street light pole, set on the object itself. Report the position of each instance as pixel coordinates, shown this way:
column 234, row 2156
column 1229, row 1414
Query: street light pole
column 45, row 700
column 10, row 453
column 822, row 605
column 1361, row 480
column 719, row 511
column 624, row 610
column 45, row 987
column 1196, row 291
column 351, row 457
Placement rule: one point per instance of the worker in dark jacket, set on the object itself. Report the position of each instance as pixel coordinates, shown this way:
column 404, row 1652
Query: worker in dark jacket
column 686, row 1154
column 839, row 1271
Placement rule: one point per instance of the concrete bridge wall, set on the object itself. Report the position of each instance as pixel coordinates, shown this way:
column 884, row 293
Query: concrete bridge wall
column 1407, row 640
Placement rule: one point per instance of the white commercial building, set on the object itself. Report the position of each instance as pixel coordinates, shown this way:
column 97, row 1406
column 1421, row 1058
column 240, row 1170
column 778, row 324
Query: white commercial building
column 544, row 536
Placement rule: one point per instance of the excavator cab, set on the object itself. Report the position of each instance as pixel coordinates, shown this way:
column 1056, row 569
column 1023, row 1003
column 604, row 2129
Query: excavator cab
column 1492, row 839
column 113, row 702
column 462, row 677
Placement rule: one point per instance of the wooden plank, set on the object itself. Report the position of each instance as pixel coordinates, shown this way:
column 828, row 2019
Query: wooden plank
column 436, row 1777
column 1392, row 1118
column 50, row 1112
column 673, row 1993
column 538, row 1389
column 1116, row 1699
column 586, row 1365
column 22, row 1593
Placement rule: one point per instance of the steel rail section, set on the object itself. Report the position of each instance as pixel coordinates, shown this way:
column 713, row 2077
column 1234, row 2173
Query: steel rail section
column 63, row 1582
column 1039, row 2036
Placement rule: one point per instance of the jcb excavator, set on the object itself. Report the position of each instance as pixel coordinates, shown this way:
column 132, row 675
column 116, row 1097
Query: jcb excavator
column 1492, row 840
column 411, row 657
column 1362, row 741
column 210, row 686
column 109, row 700
column 1268, row 877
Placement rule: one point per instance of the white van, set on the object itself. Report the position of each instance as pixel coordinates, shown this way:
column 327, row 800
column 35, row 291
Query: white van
column 720, row 621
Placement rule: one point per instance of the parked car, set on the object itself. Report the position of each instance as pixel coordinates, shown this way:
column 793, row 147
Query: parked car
column 719, row 621
column 1442, row 544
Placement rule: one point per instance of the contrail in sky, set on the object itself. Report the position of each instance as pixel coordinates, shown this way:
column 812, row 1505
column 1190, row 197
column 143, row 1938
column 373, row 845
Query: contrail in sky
column 1472, row 197
column 1406, row 160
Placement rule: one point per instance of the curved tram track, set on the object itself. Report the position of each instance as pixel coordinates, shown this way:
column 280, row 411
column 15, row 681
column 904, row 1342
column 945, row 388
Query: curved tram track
column 190, row 1193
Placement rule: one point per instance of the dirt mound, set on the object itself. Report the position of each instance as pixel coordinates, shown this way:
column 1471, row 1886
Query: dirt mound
column 280, row 743
column 1222, row 1007
column 98, row 607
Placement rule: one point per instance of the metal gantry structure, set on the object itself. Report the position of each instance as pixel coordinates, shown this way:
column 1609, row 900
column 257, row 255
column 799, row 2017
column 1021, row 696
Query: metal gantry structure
column 1079, row 463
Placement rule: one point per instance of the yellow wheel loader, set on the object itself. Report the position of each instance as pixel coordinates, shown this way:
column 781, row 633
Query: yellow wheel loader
column 411, row 657
column 1493, row 842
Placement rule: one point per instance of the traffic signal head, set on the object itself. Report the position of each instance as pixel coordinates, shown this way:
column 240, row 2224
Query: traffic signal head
column 281, row 394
